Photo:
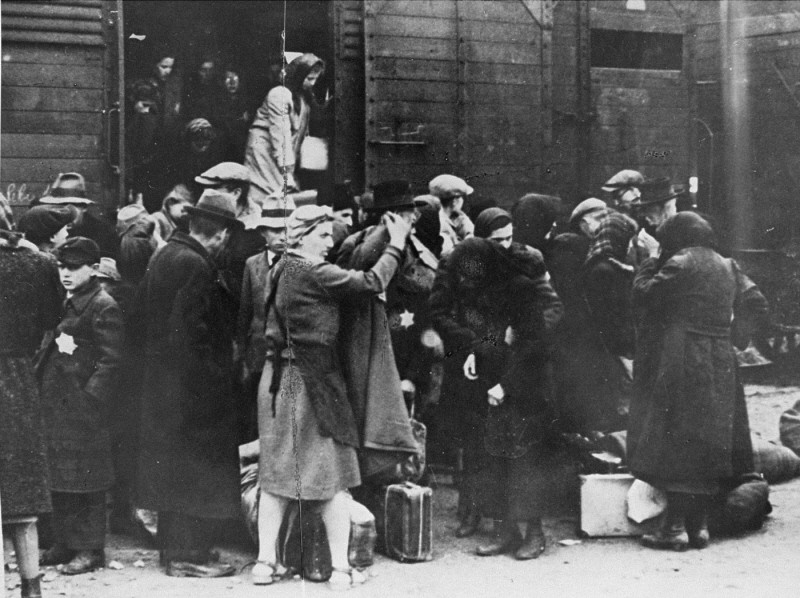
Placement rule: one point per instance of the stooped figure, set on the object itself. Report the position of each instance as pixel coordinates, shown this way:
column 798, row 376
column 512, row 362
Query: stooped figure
column 78, row 371
column 280, row 125
column 688, row 428
column 307, row 428
column 187, row 466
column 495, row 312
column 595, row 343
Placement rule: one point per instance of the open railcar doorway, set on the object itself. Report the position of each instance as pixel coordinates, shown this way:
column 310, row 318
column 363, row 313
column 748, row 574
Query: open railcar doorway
column 220, row 59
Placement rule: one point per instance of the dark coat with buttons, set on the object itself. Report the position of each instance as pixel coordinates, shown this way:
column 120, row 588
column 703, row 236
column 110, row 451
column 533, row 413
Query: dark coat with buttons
column 79, row 376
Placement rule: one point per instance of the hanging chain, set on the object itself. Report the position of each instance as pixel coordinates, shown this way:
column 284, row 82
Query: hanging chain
column 287, row 272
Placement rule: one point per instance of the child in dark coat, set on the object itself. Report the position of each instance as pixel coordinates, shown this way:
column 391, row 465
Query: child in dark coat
column 78, row 370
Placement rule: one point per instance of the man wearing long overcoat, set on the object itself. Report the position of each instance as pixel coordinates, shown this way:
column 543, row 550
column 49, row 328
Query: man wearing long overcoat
column 188, row 460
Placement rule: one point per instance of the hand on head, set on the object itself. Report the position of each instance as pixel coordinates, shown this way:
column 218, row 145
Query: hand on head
column 398, row 229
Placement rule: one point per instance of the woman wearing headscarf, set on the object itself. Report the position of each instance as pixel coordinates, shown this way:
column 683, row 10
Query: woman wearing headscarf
column 280, row 125
column 593, row 359
column 307, row 428
column 534, row 216
column 495, row 315
column 688, row 428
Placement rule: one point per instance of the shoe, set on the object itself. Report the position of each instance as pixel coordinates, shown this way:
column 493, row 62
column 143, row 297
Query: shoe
column 697, row 524
column 208, row 570
column 84, row 562
column 57, row 554
column 505, row 540
column 468, row 526
column 31, row 588
column 534, row 542
column 264, row 573
column 344, row 579
column 671, row 533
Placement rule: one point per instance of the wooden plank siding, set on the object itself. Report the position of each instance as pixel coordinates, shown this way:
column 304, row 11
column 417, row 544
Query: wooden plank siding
column 54, row 90
column 642, row 118
column 463, row 77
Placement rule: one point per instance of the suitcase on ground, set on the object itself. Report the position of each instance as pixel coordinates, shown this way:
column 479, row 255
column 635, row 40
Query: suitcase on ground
column 407, row 519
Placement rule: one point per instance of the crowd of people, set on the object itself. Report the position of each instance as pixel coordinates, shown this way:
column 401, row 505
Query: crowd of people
column 138, row 359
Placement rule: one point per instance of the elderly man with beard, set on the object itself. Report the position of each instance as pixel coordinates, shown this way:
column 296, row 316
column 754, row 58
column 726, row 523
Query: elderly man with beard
column 370, row 367
column 656, row 204
column 188, row 457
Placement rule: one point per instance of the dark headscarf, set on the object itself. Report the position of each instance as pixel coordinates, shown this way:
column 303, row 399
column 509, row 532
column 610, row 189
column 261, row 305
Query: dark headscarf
column 533, row 216
column 684, row 229
column 613, row 235
column 428, row 228
column 479, row 263
column 490, row 220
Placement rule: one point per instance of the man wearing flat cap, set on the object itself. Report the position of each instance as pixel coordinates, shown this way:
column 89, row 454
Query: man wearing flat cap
column 452, row 191
column 188, row 459
column 623, row 189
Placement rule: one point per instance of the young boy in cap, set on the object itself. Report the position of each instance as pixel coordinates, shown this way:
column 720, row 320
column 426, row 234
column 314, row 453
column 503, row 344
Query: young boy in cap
column 78, row 370
column 251, row 345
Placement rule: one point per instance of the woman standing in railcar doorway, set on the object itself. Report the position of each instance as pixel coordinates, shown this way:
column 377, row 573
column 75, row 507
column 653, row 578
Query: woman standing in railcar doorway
column 280, row 125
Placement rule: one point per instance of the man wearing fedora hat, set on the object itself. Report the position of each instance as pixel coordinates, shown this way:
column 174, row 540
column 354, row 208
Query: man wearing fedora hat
column 188, row 460
column 69, row 189
column 656, row 203
column 233, row 180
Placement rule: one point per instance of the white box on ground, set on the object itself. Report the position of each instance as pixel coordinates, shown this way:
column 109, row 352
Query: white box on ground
column 604, row 506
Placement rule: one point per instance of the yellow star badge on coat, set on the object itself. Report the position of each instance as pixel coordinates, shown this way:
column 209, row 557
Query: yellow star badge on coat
column 406, row 319
column 66, row 343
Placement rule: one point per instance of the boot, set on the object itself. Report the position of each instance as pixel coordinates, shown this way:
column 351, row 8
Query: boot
column 31, row 588
column 84, row 561
column 506, row 539
column 469, row 525
column 671, row 534
column 57, row 554
column 534, row 542
column 697, row 522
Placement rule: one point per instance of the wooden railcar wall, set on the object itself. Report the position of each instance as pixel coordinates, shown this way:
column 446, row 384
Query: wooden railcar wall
column 53, row 94
column 768, row 34
column 463, row 78
column 487, row 91
column 642, row 119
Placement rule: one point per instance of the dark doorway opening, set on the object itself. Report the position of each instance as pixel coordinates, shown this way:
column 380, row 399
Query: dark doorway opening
column 245, row 35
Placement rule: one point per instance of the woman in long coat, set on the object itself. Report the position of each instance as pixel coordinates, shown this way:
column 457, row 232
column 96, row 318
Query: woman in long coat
column 30, row 304
column 494, row 312
column 280, row 125
column 688, row 423
column 308, row 433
